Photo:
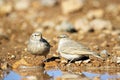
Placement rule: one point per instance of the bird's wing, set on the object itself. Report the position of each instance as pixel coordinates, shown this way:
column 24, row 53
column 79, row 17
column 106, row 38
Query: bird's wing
column 76, row 50
column 45, row 43
column 79, row 51
column 74, row 44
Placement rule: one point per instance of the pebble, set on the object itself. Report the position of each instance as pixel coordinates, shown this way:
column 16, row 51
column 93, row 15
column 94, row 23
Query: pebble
column 13, row 57
column 98, row 13
column 118, row 52
column 5, row 9
column 96, row 47
column 66, row 26
column 97, row 24
column 102, row 35
column 107, row 31
column 86, row 61
column 21, row 4
column 48, row 3
column 63, row 60
column 97, row 77
column 100, row 24
column 19, row 63
column 104, row 44
column 5, row 66
column 116, row 59
column 115, row 32
column 51, row 65
column 116, row 47
column 69, row 6
column 31, row 77
column 113, row 9
column 104, row 54
column 82, row 24
column 78, row 62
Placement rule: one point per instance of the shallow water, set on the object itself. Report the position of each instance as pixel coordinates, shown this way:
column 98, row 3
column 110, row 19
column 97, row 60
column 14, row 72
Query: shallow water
column 56, row 74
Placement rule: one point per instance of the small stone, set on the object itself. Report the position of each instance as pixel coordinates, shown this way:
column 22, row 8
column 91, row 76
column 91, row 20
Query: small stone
column 5, row 66
column 69, row 6
column 118, row 60
column 13, row 56
column 81, row 37
column 115, row 59
column 104, row 44
column 48, row 3
column 63, row 60
column 113, row 9
column 5, row 9
column 115, row 32
column 104, row 54
column 96, row 47
column 101, row 36
column 19, row 63
column 82, row 24
column 96, row 78
column 98, row 13
column 118, row 52
column 51, row 65
column 116, row 48
column 86, row 61
column 113, row 39
column 78, row 62
column 66, row 26
column 31, row 78
column 96, row 63
column 99, row 24
column 107, row 31
column 21, row 4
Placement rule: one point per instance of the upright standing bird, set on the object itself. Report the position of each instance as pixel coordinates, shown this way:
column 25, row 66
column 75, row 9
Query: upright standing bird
column 38, row 45
column 72, row 50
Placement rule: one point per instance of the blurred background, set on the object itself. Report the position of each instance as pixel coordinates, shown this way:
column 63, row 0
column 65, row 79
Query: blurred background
column 95, row 23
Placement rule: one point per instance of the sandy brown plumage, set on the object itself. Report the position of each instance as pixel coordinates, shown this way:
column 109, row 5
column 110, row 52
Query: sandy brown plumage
column 38, row 45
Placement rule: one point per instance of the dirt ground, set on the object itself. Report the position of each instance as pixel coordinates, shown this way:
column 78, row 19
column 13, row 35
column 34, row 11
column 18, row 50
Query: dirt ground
column 17, row 26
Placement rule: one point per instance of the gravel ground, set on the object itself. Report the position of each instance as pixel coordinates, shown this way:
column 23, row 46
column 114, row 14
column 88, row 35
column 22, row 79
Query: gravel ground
column 16, row 26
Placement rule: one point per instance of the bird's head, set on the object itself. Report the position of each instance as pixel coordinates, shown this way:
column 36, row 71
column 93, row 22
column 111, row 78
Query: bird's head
column 36, row 36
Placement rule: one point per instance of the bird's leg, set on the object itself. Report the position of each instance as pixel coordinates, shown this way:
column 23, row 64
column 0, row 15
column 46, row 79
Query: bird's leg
column 45, row 60
column 70, row 62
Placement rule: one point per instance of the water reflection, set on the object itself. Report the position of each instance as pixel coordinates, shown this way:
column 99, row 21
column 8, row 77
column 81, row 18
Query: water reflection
column 57, row 74
column 27, row 74
column 104, row 76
